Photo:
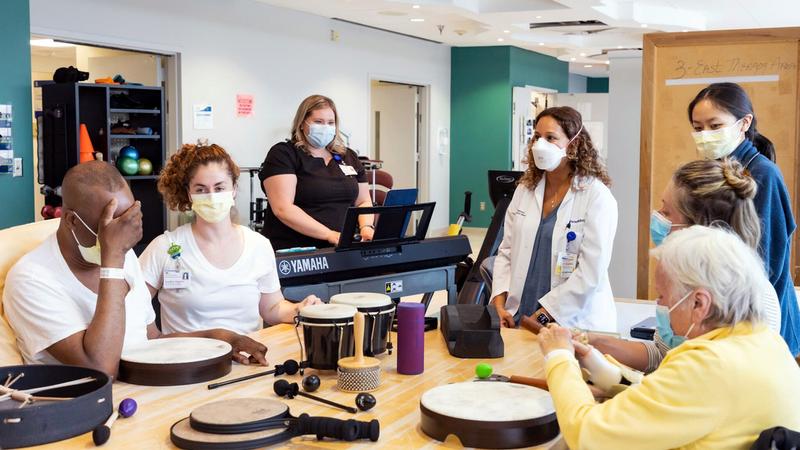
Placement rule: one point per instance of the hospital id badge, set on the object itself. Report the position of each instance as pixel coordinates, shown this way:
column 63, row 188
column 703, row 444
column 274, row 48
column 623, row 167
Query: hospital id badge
column 348, row 170
column 176, row 279
column 566, row 264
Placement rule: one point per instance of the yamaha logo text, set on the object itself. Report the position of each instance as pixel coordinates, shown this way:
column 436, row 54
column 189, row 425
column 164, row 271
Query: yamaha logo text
column 303, row 265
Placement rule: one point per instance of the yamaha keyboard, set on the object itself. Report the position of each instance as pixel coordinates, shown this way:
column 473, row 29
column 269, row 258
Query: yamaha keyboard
column 331, row 265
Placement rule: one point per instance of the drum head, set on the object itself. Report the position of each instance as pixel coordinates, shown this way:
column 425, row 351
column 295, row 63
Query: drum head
column 328, row 311
column 362, row 299
column 184, row 436
column 489, row 414
column 238, row 415
column 176, row 350
column 175, row 361
column 489, row 401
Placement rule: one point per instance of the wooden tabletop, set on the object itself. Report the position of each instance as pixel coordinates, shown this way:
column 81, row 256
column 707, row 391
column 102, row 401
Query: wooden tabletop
column 397, row 408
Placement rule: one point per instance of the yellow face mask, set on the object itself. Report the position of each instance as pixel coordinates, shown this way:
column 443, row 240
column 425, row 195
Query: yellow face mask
column 213, row 207
column 89, row 254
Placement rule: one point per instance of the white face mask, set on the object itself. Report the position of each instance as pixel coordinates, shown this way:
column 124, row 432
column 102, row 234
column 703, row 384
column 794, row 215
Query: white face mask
column 547, row 156
column 213, row 207
column 719, row 143
column 89, row 254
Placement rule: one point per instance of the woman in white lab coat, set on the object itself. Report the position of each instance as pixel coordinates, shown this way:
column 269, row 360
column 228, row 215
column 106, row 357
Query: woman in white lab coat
column 552, row 265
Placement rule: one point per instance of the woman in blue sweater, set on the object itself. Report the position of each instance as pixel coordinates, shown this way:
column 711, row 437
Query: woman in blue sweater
column 725, row 126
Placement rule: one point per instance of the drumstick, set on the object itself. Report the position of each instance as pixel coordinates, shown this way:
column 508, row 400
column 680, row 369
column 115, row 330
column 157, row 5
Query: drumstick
column 540, row 383
column 289, row 367
column 285, row 389
column 101, row 434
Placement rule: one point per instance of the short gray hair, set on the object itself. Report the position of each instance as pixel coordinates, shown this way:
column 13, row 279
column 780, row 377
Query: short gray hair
column 720, row 262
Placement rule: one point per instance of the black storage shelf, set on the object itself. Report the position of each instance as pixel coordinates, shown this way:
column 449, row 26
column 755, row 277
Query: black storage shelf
column 68, row 105
column 134, row 111
column 135, row 136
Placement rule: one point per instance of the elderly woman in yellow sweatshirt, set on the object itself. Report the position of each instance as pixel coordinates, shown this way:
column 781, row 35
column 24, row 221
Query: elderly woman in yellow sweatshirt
column 731, row 379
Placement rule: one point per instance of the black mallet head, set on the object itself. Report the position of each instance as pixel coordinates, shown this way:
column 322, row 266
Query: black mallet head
column 289, row 367
column 311, row 383
column 285, row 389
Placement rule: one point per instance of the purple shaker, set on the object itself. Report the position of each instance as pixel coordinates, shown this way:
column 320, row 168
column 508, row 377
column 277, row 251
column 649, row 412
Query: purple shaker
column 410, row 338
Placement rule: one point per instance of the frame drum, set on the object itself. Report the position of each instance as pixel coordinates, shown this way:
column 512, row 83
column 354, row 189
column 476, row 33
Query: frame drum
column 175, row 361
column 379, row 311
column 327, row 335
column 44, row 421
column 489, row 414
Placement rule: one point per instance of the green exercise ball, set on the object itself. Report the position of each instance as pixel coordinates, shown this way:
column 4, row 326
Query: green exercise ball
column 145, row 166
column 128, row 166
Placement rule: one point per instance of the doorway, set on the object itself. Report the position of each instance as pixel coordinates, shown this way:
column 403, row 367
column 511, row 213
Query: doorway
column 527, row 103
column 396, row 121
column 102, row 61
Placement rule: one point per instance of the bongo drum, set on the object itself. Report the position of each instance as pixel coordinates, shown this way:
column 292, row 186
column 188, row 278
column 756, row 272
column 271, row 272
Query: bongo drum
column 175, row 361
column 327, row 335
column 244, row 423
column 493, row 415
column 62, row 402
column 378, row 310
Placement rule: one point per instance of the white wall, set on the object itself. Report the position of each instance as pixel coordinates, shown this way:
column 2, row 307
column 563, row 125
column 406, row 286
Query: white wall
column 277, row 55
column 624, row 106
column 577, row 83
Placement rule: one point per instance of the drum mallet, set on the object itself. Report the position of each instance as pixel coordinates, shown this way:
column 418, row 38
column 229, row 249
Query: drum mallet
column 285, row 389
column 289, row 367
column 101, row 434
column 359, row 373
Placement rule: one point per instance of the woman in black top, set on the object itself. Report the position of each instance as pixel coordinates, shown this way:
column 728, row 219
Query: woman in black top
column 311, row 180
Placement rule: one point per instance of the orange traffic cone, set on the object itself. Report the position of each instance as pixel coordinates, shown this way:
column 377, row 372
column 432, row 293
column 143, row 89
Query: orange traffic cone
column 86, row 148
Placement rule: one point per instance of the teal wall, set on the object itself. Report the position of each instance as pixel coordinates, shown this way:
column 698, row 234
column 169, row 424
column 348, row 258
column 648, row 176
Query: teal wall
column 597, row 85
column 16, row 194
column 480, row 113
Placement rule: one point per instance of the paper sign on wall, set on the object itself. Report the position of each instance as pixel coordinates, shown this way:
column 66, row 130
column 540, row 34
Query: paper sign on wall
column 203, row 116
column 244, row 105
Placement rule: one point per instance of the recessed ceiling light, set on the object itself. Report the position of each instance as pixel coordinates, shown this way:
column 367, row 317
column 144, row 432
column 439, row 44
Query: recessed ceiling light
column 573, row 59
column 500, row 39
column 538, row 17
column 418, row 20
column 606, row 62
column 587, row 65
column 583, row 54
column 506, row 31
column 415, row 6
column 619, row 46
column 541, row 43
column 644, row 25
column 49, row 43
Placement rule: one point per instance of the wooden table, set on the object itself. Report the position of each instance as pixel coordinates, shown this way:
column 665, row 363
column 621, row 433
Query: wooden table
column 397, row 408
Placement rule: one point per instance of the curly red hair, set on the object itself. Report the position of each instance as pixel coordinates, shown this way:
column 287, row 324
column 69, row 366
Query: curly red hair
column 173, row 183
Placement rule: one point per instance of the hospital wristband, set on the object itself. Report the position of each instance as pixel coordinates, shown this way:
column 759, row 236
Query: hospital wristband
column 112, row 273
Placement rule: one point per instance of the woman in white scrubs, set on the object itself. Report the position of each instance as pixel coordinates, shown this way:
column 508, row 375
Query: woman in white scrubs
column 212, row 273
column 552, row 265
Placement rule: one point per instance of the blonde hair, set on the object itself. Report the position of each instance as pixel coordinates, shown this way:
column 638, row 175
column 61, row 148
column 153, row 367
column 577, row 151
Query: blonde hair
column 710, row 191
column 584, row 160
column 307, row 106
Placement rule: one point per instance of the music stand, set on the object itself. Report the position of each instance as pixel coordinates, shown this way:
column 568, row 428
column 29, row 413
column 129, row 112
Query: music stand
column 390, row 230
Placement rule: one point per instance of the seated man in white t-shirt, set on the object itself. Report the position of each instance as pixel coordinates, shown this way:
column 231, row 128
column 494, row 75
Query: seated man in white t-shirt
column 80, row 298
